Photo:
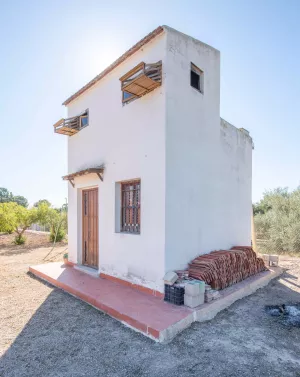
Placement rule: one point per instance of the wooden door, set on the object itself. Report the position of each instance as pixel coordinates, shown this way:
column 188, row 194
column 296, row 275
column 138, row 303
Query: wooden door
column 90, row 228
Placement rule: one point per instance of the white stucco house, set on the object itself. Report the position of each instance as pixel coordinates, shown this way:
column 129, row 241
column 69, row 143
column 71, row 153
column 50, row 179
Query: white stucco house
column 156, row 177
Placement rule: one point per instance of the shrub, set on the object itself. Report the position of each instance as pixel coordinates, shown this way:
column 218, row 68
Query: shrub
column 59, row 236
column 56, row 219
column 19, row 239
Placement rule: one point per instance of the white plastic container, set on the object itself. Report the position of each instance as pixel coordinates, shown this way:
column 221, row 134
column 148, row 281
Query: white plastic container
column 274, row 259
column 193, row 301
column 194, row 288
column 170, row 278
column 266, row 259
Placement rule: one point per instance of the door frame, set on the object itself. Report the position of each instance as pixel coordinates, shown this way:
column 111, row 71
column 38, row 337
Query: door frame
column 82, row 256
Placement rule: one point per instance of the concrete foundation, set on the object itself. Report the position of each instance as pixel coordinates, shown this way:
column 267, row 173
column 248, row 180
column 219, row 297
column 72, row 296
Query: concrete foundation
column 229, row 295
column 149, row 315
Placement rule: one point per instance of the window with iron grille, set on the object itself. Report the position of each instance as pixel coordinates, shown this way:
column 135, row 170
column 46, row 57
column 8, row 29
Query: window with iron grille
column 131, row 207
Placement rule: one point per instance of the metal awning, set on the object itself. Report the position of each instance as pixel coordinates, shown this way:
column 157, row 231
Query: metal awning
column 99, row 170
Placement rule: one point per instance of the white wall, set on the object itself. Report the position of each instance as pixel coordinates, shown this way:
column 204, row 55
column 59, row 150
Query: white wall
column 195, row 172
column 130, row 141
column 235, row 183
column 192, row 136
column 208, row 170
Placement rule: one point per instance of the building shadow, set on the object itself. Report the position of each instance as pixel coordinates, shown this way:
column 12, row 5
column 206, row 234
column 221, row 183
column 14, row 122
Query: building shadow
column 67, row 337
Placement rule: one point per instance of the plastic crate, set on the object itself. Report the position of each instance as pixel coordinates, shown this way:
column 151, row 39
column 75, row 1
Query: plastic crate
column 174, row 295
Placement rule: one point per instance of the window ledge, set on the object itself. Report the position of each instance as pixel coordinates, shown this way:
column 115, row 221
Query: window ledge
column 134, row 234
column 197, row 90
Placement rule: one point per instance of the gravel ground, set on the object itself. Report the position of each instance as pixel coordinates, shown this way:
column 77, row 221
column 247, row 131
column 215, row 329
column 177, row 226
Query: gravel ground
column 46, row 332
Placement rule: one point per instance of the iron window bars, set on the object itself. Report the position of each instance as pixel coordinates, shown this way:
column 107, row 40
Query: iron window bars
column 131, row 207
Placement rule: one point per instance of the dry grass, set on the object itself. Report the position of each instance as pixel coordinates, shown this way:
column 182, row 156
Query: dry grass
column 33, row 240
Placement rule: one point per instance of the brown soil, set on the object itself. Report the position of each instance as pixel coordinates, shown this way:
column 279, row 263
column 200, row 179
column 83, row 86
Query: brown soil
column 20, row 294
column 46, row 332
column 33, row 240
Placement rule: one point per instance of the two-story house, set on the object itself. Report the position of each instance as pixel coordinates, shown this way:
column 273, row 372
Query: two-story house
column 156, row 177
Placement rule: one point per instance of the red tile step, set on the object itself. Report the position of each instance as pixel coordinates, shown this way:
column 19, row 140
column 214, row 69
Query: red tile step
column 147, row 314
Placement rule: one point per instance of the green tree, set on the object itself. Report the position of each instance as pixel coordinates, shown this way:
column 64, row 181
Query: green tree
column 21, row 201
column 5, row 195
column 261, row 207
column 56, row 219
column 42, row 201
column 8, row 218
column 25, row 218
column 17, row 218
column 278, row 226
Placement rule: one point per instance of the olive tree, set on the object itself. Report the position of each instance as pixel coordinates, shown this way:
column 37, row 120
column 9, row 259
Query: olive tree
column 14, row 217
column 277, row 221
column 7, row 217
column 42, row 201
column 56, row 219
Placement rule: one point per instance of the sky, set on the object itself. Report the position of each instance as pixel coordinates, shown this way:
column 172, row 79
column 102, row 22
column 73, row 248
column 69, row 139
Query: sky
column 51, row 48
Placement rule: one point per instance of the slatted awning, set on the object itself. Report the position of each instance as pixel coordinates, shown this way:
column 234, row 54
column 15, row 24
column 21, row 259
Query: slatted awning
column 99, row 170
column 140, row 80
column 141, row 85
column 67, row 126
column 71, row 126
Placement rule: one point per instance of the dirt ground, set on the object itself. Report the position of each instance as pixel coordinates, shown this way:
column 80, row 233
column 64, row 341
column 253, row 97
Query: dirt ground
column 47, row 333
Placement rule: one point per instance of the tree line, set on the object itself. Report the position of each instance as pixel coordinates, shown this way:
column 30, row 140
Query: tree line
column 276, row 217
column 8, row 197
column 277, row 221
column 16, row 217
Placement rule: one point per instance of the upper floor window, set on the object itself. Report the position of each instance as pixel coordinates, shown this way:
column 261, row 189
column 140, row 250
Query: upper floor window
column 197, row 78
column 84, row 119
column 127, row 96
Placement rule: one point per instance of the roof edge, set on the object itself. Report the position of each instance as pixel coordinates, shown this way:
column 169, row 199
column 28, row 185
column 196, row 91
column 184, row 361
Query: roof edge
column 168, row 28
column 241, row 129
column 117, row 62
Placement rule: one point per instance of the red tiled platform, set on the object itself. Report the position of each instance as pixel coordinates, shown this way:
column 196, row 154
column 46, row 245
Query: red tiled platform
column 148, row 314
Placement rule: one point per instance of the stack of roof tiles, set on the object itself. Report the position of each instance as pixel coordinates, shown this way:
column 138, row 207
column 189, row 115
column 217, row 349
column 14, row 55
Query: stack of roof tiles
column 222, row 268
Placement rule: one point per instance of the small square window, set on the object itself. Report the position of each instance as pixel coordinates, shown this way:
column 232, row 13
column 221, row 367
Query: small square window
column 127, row 96
column 84, row 119
column 197, row 78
